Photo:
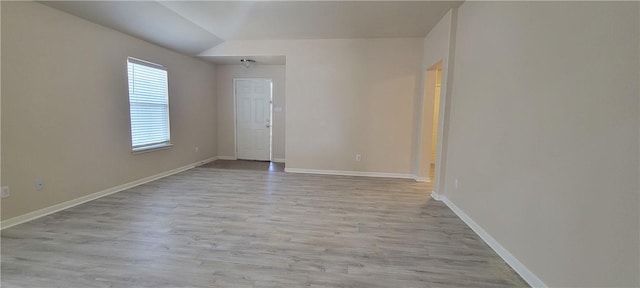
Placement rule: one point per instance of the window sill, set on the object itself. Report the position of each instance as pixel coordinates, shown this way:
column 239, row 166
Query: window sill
column 152, row 148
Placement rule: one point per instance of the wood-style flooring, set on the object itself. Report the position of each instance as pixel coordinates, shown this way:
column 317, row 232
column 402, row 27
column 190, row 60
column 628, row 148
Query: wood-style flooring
column 211, row 227
column 246, row 165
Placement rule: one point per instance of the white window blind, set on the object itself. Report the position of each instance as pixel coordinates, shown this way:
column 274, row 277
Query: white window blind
column 148, row 105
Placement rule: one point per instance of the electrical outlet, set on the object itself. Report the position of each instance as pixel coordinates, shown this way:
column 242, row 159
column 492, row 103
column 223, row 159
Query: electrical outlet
column 38, row 184
column 5, row 191
column 197, row 148
column 358, row 157
column 456, row 183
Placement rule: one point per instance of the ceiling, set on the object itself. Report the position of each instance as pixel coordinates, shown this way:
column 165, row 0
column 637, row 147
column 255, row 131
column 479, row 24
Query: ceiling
column 240, row 20
column 191, row 27
column 146, row 20
column 235, row 60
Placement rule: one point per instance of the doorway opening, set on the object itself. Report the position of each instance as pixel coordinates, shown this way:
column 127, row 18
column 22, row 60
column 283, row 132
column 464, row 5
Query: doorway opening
column 430, row 123
column 253, row 100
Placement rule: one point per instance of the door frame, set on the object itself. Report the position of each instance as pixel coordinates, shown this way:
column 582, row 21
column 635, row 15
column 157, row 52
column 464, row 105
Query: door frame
column 443, row 126
column 428, row 101
column 235, row 116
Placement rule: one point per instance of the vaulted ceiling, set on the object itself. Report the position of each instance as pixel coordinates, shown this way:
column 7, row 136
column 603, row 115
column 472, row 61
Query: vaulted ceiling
column 191, row 27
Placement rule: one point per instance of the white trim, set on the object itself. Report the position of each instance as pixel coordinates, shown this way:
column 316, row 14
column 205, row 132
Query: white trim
column 524, row 272
column 277, row 160
column 151, row 148
column 146, row 63
column 226, row 158
column 422, row 179
column 436, row 196
column 349, row 173
column 205, row 161
column 68, row 204
column 235, row 124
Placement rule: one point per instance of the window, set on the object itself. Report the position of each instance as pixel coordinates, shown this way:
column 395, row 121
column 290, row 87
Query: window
column 148, row 105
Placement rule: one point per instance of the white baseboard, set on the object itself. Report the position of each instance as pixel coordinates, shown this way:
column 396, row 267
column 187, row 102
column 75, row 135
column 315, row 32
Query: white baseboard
column 277, row 160
column 349, row 173
column 524, row 272
column 422, row 179
column 227, row 158
column 68, row 204
column 199, row 163
column 436, row 196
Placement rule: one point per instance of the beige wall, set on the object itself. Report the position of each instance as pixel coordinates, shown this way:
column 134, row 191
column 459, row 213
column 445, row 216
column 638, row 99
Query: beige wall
column 226, row 122
column 544, row 134
column 65, row 115
column 346, row 96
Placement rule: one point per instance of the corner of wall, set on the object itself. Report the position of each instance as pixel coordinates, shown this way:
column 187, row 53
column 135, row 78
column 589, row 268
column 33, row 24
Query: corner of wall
column 445, row 106
column 214, row 89
column 0, row 102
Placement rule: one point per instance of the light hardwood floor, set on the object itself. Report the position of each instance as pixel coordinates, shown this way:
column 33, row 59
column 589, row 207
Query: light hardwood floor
column 210, row 227
column 246, row 165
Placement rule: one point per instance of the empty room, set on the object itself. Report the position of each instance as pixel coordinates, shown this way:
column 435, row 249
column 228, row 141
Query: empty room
column 319, row 144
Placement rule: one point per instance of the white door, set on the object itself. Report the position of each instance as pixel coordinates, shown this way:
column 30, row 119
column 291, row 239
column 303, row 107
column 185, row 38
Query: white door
column 253, row 119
